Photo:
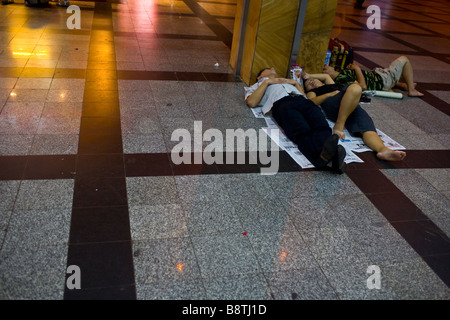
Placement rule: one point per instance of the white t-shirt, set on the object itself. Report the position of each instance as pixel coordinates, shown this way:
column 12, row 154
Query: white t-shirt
column 273, row 93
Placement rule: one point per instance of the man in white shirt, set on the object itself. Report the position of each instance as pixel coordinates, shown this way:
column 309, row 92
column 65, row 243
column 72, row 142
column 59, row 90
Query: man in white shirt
column 301, row 120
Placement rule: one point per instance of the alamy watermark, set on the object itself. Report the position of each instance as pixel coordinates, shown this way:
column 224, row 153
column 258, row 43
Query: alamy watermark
column 74, row 280
column 374, row 281
column 235, row 145
column 374, row 21
column 74, row 21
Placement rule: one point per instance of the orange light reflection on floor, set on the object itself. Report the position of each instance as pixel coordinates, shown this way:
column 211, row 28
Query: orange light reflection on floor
column 22, row 52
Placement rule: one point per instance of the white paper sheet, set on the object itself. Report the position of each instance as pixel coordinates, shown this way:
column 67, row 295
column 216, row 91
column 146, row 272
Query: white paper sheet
column 351, row 144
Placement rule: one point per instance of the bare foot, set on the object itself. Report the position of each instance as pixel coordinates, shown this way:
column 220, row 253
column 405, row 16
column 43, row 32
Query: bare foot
column 391, row 155
column 340, row 132
column 415, row 93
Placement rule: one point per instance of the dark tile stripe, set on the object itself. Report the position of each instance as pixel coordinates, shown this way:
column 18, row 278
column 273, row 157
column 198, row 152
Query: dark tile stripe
column 150, row 35
column 7, row 72
column 50, row 167
column 16, row 72
column 416, row 159
column 392, row 51
column 109, row 164
column 146, row 75
column 100, row 239
column 431, row 99
column 425, row 237
column 12, row 167
column 402, row 8
column 103, row 265
column 105, row 293
column 175, row 76
column 418, row 49
column 222, row 33
column 162, row 13
column 69, row 31
column 144, row 165
column 366, row 62
column 364, row 27
column 37, row 167
column 434, row 86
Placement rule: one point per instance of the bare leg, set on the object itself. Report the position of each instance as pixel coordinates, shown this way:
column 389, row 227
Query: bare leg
column 349, row 102
column 403, row 86
column 408, row 76
column 374, row 142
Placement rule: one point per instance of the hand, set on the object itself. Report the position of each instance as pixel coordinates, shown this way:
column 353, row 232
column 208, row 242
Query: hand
column 305, row 76
column 353, row 66
column 333, row 93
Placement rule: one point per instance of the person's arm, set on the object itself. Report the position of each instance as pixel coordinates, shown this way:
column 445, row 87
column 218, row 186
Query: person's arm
column 325, row 78
column 318, row 100
column 359, row 75
column 254, row 99
column 297, row 85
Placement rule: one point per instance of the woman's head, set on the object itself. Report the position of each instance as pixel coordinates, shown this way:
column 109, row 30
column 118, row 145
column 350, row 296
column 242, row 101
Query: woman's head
column 312, row 83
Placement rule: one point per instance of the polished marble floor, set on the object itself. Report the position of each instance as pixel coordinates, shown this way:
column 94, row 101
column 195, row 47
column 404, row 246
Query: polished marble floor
column 87, row 178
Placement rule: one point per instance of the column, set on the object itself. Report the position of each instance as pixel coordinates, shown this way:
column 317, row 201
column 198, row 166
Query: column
column 271, row 33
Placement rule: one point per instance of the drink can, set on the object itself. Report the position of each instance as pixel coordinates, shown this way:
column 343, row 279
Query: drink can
column 327, row 58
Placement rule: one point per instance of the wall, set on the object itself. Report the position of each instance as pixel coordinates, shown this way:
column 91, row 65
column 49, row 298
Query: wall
column 316, row 34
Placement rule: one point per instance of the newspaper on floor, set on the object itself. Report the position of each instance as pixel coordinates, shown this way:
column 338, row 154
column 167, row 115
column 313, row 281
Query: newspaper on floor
column 291, row 148
column 257, row 112
column 287, row 145
column 351, row 143
column 356, row 144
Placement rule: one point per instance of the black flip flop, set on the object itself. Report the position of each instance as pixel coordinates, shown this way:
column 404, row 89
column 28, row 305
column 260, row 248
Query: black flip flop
column 338, row 163
column 329, row 149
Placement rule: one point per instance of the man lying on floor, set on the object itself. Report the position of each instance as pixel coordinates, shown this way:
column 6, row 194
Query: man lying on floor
column 302, row 121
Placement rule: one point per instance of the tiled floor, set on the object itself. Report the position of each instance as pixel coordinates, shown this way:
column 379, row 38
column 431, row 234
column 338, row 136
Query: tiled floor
column 86, row 176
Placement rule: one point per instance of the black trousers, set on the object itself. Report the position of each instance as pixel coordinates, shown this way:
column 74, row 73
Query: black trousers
column 304, row 124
